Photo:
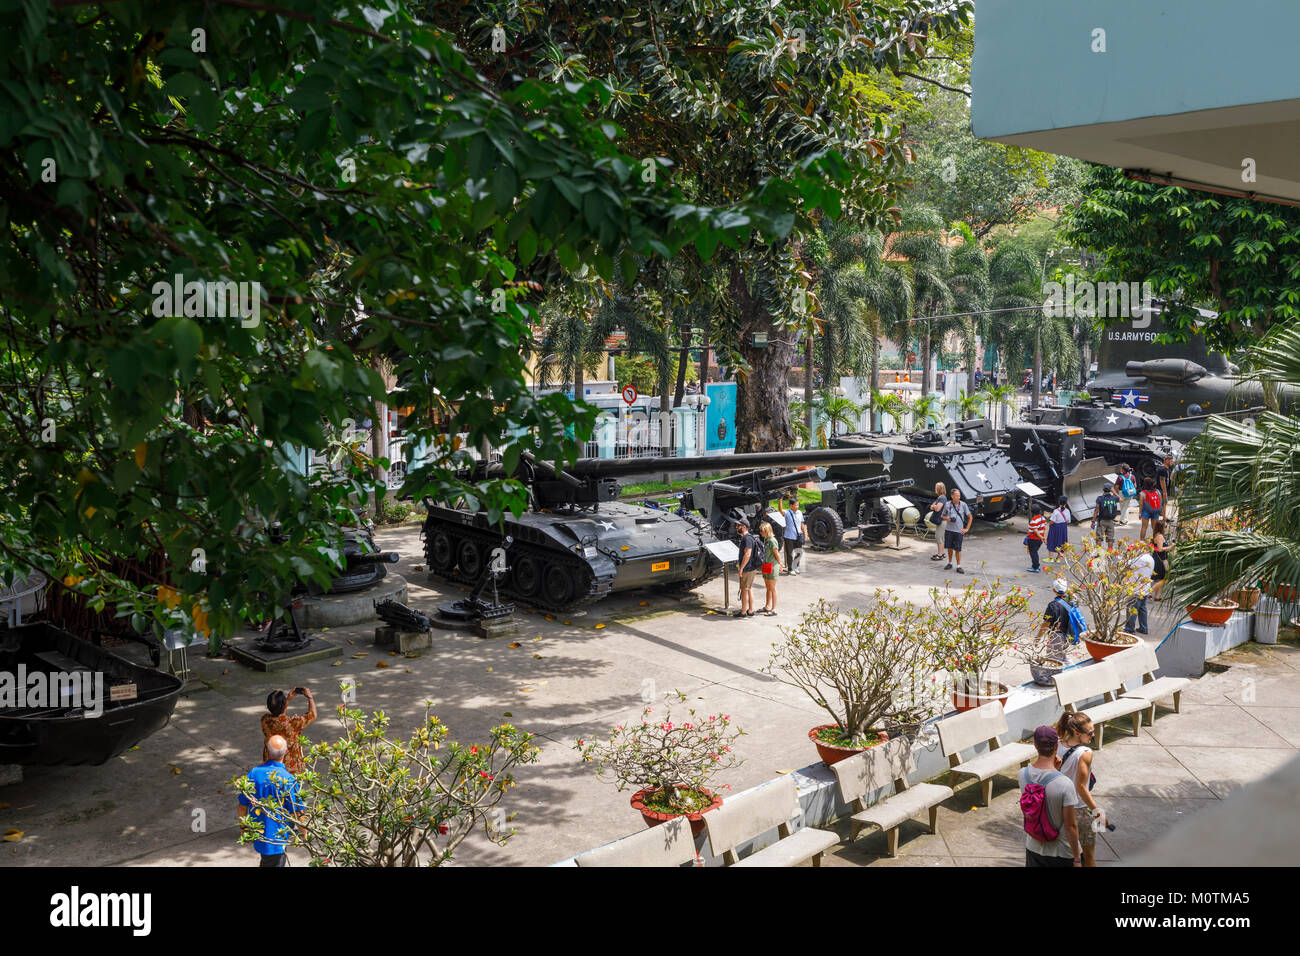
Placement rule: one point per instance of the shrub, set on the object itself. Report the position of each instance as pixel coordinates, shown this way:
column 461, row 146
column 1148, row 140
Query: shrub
column 971, row 629
column 1103, row 583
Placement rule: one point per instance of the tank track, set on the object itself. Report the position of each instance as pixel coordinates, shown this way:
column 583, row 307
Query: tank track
column 592, row 587
column 714, row 572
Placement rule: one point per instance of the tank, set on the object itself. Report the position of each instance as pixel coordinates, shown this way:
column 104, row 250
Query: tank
column 968, row 460
column 1112, row 432
column 577, row 543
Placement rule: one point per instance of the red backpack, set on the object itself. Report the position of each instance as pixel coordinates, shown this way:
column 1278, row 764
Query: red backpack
column 1152, row 499
column 1033, row 804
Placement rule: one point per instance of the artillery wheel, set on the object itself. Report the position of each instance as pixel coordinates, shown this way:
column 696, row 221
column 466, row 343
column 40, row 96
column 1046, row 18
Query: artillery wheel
column 441, row 552
column 471, row 559
column 825, row 528
column 526, row 576
column 560, row 586
column 880, row 515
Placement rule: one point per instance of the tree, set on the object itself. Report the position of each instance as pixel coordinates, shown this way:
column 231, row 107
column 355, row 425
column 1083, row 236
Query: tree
column 1237, row 256
column 996, row 398
column 925, row 410
column 920, row 244
column 967, row 405
column 835, row 411
column 218, row 214
column 1246, row 471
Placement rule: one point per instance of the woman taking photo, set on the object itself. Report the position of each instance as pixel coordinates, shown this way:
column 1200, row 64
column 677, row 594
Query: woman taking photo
column 935, row 517
column 1076, row 733
column 771, row 567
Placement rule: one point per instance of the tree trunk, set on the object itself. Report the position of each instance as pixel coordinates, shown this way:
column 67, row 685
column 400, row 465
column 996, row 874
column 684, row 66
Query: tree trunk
column 682, row 358
column 809, row 354
column 925, row 362
column 1038, row 370
column 875, row 379
column 704, row 358
column 762, row 396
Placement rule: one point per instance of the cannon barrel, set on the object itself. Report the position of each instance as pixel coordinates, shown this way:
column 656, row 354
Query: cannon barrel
column 619, row 467
column 1167, row 370
column 379, row 557
column 1253, row 410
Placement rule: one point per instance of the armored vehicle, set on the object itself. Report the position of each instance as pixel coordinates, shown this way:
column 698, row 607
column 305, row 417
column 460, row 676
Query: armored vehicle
column 577, row 542
column 967, row 460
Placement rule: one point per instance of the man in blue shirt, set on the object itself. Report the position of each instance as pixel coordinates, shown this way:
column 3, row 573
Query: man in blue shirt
column 795, row 534
column 272, row 784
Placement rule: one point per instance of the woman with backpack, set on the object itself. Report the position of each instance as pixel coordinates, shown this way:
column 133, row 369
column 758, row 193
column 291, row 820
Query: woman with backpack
column 1150, row 505
column 935, row 517
column 1076, row 733
column 1058, row 527
column 1128, row 491
column 771, row 567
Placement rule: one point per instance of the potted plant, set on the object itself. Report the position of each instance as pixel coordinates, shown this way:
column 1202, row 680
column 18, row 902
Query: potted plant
column 1046, row 653
column 968, row 631
column 1103, row 583
column 858, row 666
column 669, row 759
column 1219, row 608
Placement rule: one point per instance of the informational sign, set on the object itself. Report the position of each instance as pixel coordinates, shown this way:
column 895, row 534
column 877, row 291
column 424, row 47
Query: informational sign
column 724, row 551
column 897, row 501
column 630, row 394
column 1113, row 479
column 122, row 692
column 1031, row 489
column 720, row 416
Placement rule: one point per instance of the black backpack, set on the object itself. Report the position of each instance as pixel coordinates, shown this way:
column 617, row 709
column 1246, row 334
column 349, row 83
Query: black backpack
column 1109, row 507
column 755, row 546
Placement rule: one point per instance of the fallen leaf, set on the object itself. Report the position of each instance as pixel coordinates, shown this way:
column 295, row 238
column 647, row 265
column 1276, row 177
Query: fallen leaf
column 136, row 747
column 392, row 653
column 417, row 567
column 337, row 664
column 381, row 663
column 512, row 816
column 412, row 656
column 550, row 617
column 536, row 638
column 489, row 670
column 13, row 836
column 527, row 690
column 361, row 654
column 4, row 806
column 538, row 656
column 176, row 771
column 526, row 611
column 324, row 629
column 408, row 670
column 225, row 672
column 787, row 770
column 643, row 604
column 599, row 626
column 350, row 641
column 513, row 644
column 507, row 714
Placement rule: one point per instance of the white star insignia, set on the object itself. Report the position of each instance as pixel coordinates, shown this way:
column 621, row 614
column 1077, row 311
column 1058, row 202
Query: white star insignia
column 1074, row 450
column 1029, row 446
column 607, row 525
column 1112, row 418
column 981, row 477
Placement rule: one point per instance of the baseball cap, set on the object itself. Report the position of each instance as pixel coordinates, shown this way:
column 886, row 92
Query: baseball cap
column 742, row 523
column 1045, row 739
column 1060, row 586
column 1107, row 486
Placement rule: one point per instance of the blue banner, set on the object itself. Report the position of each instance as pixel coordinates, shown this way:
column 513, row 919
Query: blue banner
column 720, row 416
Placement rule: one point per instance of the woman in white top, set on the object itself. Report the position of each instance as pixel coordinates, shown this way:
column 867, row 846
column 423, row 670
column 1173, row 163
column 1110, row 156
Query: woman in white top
column 1075, row 733
column 935, row 517
column 1058, row 525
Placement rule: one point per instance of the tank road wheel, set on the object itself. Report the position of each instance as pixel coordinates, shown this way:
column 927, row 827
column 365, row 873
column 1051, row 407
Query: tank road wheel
column 441, row 552
column 526, row 576
column 1145, row 468
column 561, row 585
column 472, row 559
column 825, row 529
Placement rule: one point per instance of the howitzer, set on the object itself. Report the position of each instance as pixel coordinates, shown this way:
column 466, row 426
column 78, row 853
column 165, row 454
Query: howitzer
column 853, row 504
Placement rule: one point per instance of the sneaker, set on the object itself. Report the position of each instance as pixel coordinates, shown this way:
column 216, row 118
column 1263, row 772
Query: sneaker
column 948, row 566
column 936, row 557
column 959, row 570
column 1032, row 570
column 773, row 614
column 1143, row 630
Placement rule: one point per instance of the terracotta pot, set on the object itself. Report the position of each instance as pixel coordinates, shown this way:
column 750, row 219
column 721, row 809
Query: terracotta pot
column 963, row 699
column 830, row 753
column 1043, row 671
column 654, row 817
column 1286, row 593
column 1246, row 598
column 1099, row 650
column 1212, row 614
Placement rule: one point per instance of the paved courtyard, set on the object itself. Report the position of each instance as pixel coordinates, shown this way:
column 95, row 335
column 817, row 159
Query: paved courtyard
column 170, row 802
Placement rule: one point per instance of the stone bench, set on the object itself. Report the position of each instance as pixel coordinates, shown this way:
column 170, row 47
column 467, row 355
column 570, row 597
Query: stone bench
column 1140, row 664
column 1098, row 679
column 669, row 844
column 753, row 813
column 881, row 767
column 983, row 725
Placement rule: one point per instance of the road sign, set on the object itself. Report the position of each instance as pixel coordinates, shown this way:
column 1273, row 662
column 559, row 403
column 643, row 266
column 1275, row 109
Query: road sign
column 629, row 394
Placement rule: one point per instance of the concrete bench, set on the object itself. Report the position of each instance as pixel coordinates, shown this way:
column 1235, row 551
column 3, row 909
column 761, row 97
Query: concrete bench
column 669, row 844
column 754, row 812
column 984, row 724
column 1098, row 679
column 881, row 767
column 1140, row 664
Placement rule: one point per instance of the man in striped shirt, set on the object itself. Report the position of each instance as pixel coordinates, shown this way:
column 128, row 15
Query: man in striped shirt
column 1037, row 533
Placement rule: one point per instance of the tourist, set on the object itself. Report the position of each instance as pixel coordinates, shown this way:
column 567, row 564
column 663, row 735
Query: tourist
column 750, row 560
column 289, row 726
column 1058, row 526
column 1164, row 482
column 795, row 535
column 1055, row 792
column 276, row 791
column 1159, row 555
column 1144, row 566
column 1034, row 539
column 1104, row 513
column 771, row 566
column 935, row 517
column 1128, row 491
column 958, row 518
column 1075, row 752
column 1152, row 505
column 1056, row 617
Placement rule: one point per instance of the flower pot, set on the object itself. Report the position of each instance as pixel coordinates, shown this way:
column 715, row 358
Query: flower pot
column 655, row 817
column 1212, row 614
column 1286, row 593
column 1100, row 650
column 831, row 753
column 1043, row 671
column 964, row 698
column 1246, row 598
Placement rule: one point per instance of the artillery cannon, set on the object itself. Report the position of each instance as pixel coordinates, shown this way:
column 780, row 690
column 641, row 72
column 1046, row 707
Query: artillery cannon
column 577, row 542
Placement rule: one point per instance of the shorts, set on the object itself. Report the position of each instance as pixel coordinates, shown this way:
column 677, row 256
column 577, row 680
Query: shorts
column 1149, row 512
column 952, row 540
column 1037, row 859
column 1087, row 835
column 747, row 579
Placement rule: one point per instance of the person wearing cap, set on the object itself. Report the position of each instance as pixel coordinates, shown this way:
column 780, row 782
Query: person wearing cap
column 750, row 559
column 1060, row 797
column 1056, row 616
column 1127, row 491
column 1143, row 569
column 1104, row 513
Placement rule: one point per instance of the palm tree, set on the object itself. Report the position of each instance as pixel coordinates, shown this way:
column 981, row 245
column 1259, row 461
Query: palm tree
column 895, row 407
column 968, row 278
column 802, row 434
column 967, row 405
column 835, row 410
column 996, row 398
column 924, row 410
column 920, row 247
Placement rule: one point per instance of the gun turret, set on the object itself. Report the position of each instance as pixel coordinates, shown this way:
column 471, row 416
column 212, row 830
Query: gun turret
column 1168, row 371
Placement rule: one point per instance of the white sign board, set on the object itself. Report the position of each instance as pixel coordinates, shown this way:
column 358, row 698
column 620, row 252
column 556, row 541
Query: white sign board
column 724, row 551
column 897, row 501
column 825, row 486
column 1031, row 489
column 1113, row 479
